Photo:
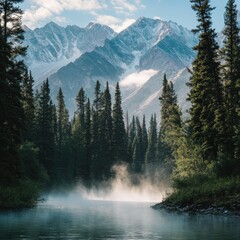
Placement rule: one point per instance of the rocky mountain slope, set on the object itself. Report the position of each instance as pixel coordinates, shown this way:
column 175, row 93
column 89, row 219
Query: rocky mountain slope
column 53, row 46
column 137, row 58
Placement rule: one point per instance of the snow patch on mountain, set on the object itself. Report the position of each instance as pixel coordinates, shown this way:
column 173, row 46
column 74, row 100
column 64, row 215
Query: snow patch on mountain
column 137, row 79
column 53, row 46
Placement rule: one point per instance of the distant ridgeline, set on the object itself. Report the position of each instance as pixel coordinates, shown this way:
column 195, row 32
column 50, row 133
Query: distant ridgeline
column 42, row 149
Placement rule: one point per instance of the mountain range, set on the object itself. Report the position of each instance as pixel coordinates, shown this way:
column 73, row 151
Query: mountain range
column 137, row 57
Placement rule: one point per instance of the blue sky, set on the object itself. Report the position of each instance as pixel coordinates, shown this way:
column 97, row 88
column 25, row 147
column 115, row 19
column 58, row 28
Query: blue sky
column 117, row 14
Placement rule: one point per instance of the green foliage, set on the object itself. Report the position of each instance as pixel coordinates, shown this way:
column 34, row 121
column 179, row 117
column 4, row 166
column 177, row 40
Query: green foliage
column 231, row 76
column 44, row 138
column 189, row 159
column 30, row 165
column 23, row 194
column 119, row 133
column 151, row 153
column 206, row 93
column 202, row 189
column 170, row 126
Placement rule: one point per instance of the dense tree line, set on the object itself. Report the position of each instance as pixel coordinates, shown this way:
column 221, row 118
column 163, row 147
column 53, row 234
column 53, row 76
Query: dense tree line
column 208, row 142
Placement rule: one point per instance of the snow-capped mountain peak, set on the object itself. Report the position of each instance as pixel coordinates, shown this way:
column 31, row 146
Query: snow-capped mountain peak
column 53, row 46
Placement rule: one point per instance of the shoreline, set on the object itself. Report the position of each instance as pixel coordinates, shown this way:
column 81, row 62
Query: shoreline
column 196, row 208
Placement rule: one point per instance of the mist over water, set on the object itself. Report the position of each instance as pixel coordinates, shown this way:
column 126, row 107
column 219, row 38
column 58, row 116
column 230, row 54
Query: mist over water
column 124, row 187
column 123, row 213
column 130, row 187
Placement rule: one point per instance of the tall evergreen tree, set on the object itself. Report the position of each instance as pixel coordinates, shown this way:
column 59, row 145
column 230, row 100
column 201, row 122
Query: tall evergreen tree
column 231, row 75
column 119, row 133
column 79, row 138
column 138, row 157
column 206, row 90
column 105, row 132
column 88, row 145
column 60, row 116
column 28, row 105
column 63, row 168
column 170, row 128
column 94, row 167
column 45, row 131
column 151, row 153
column 131, row 137
column 144, row 137
column 11, row 117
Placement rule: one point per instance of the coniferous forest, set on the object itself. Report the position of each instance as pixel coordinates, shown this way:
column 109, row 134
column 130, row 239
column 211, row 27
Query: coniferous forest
column 42, row 149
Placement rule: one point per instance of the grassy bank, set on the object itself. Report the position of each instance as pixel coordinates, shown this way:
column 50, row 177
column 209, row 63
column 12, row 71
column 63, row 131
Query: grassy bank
column 203, row 192
column 22, row 195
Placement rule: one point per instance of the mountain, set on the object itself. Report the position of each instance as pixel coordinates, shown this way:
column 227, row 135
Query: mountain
column 53, row 46
column 137, row 57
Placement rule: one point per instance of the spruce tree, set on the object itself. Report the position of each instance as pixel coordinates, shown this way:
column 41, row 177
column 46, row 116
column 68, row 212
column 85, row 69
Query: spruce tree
column 12, row 115
column 231, row 76
column 28, row 105
column 170, row 126
column 206, row 110
column 144, row 137
column 78, row 132
column 119, row 133
column 94, row 167
column 60, row 116
column 105, row 132
column 138, row 158
column 151, row 153
column 88, row 145
column 64, row 164
column 131, row 137
column 45, row 130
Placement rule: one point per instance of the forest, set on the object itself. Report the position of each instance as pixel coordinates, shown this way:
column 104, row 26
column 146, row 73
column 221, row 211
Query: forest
column 42, row 149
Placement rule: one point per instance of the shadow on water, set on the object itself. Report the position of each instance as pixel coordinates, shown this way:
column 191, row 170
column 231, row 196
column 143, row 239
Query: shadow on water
column 86, row 219
column 121, row 212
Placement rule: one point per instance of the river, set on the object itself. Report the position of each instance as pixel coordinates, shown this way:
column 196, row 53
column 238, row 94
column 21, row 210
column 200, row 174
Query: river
column 86, row 219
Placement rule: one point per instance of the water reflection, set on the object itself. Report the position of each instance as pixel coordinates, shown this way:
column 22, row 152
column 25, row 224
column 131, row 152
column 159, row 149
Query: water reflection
column 113, row 220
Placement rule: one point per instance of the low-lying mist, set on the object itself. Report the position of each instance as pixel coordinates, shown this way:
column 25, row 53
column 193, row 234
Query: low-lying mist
column 150, row 186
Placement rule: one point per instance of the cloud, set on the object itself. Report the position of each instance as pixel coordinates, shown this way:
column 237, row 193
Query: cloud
column 126, row 6
column 116, row 24
column 44, row 9
column 138, row 79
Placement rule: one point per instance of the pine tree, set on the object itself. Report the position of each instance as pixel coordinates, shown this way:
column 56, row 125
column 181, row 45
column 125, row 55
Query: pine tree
column 119, row 133
column 94, row 167
column 144, row 137
column 170, row 128
column 131, row 137
column 45, row 131
column 138, row 158
column 28, row 105
column 78, row 132
column 206, row 110
column 231, row 75
column 63, row 166
column 88, row 145
column 105, row 132
column 151, row 153
column 60, row 116
column 12, row 116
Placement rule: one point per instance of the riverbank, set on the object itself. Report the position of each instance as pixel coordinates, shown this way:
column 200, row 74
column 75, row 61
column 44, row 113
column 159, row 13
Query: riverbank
column 200, row 209
column 204, row 196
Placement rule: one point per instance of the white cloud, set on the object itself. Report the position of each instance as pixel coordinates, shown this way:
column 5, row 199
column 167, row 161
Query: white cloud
column 116, row 24
column 125, row 24
column 126, row 6
column 137, row 79
column 44, row 9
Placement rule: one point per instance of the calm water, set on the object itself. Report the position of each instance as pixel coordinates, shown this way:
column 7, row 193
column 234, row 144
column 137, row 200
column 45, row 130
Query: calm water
column 112, row 220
